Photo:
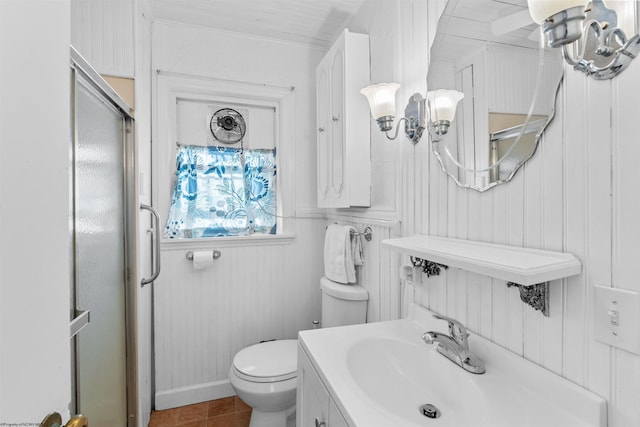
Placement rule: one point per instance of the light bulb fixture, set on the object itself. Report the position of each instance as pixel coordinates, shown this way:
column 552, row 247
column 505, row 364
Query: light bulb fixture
column 590, row 39
column 382, row 102
column 441, row 103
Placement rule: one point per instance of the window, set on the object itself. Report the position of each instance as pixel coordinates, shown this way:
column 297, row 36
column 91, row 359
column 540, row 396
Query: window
column 183, row 111
column 223, row 191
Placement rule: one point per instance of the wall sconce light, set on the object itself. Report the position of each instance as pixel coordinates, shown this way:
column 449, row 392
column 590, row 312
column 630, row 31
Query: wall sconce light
column 598, row 47
column 440, row 104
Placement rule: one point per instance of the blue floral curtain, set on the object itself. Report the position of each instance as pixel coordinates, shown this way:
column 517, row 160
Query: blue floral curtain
column 223, row 192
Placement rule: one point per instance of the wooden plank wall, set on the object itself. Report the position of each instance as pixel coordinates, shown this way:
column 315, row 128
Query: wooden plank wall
column 202, row 318
column 577, row 194
column 379, row 274
column 102, row 31
column 252, row 293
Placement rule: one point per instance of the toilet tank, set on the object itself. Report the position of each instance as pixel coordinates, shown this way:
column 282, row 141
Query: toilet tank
column 342, row 304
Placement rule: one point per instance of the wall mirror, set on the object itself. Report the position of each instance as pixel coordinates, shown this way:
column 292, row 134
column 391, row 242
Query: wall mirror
column 490, row 51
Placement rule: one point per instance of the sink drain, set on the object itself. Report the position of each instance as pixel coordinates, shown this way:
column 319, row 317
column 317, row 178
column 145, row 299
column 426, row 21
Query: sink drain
column 430, row 411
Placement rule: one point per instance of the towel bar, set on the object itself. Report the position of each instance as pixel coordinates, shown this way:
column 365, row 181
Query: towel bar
column 367, row 233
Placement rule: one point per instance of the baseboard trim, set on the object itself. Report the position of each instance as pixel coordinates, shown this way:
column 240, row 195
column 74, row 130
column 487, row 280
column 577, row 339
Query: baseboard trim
column 193, row 394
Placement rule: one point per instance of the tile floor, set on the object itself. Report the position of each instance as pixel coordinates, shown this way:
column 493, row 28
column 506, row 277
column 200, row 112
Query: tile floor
column 227, row 412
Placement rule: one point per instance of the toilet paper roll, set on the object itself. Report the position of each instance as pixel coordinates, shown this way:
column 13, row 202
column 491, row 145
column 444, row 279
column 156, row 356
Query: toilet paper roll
column 202, row 259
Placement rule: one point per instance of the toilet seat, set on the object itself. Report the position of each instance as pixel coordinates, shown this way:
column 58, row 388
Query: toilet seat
column 267, row 362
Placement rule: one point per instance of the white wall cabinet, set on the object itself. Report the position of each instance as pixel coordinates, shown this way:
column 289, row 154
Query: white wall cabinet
column 315, row 407
column 343, row 128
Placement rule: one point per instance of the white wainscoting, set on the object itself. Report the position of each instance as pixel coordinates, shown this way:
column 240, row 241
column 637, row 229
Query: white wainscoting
column 578, row 194
column 203, row 317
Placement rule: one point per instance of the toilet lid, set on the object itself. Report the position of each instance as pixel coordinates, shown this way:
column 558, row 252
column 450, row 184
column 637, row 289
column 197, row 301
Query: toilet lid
column 273, row 360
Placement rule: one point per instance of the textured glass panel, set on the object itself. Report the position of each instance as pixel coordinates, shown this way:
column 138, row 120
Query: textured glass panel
column 100, row 266
column 222, row 191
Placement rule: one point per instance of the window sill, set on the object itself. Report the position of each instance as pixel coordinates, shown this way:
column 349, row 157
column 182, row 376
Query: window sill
column 228, row 242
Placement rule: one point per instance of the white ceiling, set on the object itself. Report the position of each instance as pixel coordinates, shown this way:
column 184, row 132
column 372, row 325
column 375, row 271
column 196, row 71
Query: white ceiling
column 465, row 27
column 310, row 22
column 466, row 23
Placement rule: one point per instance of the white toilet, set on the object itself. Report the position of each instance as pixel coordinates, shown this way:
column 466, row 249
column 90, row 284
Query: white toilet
column 264, row 375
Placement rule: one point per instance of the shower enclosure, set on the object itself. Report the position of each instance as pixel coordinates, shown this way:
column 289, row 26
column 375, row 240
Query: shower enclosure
column 103, row 214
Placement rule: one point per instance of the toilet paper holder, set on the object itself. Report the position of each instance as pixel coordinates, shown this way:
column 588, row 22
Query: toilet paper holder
column 216, row 254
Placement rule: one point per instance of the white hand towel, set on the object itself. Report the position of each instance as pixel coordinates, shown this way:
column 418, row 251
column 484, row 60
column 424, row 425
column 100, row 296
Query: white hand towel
column 349, row 261
column 338, row 258
column 357, row 249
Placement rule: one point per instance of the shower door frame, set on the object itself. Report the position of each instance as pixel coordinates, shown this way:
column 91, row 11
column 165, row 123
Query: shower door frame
column 79, row 65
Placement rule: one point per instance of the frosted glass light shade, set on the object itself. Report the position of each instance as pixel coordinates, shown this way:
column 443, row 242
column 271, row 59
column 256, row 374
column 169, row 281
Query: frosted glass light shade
column 382, row 99
column 442, row 104
column 540, row 10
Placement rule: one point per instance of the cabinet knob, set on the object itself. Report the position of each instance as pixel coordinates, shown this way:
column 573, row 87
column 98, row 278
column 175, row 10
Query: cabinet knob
column 335, row 119
column 320, row 129
column 320, row 423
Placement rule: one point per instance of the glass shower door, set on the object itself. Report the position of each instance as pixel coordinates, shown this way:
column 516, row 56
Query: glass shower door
column 99, row 235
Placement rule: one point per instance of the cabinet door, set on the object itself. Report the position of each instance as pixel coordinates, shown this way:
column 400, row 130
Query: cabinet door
column 338, row 150
column 313, row 398
column 335, row 416
column 344, row 168
column 323, row 116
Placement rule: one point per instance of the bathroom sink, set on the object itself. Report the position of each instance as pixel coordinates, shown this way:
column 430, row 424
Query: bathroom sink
column 388, row 371
column 381, row 375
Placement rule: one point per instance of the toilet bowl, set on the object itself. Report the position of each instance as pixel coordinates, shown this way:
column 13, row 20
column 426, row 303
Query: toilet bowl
column 264, row 377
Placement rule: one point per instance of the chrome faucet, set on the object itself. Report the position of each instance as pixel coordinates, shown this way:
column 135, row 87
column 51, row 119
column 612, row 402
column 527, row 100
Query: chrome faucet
column 455, row 346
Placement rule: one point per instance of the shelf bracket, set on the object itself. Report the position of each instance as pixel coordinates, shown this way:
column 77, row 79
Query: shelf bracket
column 430, row 268
column 536, row 296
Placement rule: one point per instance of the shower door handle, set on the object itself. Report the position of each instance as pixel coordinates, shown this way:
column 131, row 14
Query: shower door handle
column 156, row 245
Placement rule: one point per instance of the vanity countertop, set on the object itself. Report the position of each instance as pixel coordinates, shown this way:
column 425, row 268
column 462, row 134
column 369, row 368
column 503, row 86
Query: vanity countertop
column 379, row 375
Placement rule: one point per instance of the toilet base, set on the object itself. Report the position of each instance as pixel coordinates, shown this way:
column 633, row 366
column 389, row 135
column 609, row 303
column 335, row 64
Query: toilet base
column 270, row 419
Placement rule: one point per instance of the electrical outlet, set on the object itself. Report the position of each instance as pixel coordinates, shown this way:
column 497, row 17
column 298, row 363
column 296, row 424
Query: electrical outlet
column 617, row 316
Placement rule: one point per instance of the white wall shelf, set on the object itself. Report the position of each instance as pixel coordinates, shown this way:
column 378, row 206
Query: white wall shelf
column 523, row 266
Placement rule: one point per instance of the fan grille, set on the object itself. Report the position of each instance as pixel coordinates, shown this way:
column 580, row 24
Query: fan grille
column 227, row 126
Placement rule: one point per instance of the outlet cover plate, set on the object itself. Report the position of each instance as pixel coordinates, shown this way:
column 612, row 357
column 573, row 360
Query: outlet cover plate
column 617, row 316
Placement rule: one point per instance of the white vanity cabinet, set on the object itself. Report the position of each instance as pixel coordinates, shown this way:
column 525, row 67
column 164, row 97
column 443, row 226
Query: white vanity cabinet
column 343, row 125
column 315, row 407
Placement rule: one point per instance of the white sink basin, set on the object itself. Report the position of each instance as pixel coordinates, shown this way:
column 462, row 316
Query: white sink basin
column 384, row 369
column 380, row 375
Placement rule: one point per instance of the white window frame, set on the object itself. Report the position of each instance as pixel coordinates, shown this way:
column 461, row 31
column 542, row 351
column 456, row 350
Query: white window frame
column 172, row 87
